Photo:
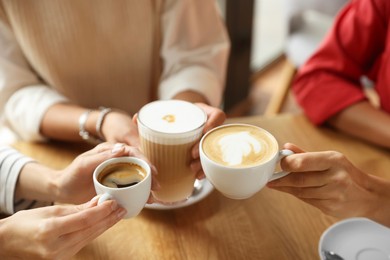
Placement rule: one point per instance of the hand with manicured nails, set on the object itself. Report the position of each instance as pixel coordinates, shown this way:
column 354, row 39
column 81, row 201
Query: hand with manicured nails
column 74, row 183
column 330, row 182
column 56, row 232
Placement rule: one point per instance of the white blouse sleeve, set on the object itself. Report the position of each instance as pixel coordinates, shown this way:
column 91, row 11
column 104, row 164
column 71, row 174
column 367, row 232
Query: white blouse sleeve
column 23, row 98
column 11, row 163
column 195, row 49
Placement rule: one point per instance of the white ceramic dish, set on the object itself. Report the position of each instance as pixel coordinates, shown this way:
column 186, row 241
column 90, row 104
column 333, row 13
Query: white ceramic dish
column 356, row 239
column 207, row 187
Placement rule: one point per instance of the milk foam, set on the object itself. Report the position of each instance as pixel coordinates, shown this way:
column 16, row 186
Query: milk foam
column 235, row 146
column 172, row 116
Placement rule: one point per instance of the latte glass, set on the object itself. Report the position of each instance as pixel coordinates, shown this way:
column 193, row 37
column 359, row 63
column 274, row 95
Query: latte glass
column 240, row 159
column 168, row 131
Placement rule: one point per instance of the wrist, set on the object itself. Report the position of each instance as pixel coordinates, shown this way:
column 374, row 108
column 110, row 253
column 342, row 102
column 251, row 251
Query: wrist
column 35, row 182
column 53, row 187
column 90, row 125
column 379, row 203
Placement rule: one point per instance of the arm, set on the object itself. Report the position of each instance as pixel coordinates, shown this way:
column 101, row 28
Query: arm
column 330, row 182
column 72, row 184
column 194, row 50
column 26, row 184
column 364, row 121
column 21, row 90
column 330, row 81
column 11, row 164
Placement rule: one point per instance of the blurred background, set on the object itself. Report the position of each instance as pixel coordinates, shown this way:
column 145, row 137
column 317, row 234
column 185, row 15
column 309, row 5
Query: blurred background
column 270, row 40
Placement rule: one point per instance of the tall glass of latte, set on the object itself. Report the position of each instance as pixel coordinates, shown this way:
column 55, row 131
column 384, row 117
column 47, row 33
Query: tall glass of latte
column 168, row 131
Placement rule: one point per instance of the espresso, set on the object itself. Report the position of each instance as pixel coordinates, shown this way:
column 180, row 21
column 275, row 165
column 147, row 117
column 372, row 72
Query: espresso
column 168, row 131
column 121, row 175
column 239, row 146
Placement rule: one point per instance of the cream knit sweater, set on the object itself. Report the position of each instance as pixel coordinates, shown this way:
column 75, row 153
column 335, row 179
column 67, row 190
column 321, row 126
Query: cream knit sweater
column 120, row 54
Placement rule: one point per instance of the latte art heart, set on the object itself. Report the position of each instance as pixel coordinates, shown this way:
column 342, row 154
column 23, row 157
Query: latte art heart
column 236, row 146
column 239, row 145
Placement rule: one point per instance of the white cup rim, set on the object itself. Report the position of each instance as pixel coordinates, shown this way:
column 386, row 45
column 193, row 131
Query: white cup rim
column 174, row 135
column 239, row 124
column 128, row 159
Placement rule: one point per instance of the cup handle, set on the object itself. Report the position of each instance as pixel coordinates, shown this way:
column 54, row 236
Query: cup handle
column 104, row 197
column 282, row 154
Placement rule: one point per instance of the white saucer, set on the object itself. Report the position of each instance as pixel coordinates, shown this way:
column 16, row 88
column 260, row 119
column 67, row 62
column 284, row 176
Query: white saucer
column 207, row 187
column 357, row 239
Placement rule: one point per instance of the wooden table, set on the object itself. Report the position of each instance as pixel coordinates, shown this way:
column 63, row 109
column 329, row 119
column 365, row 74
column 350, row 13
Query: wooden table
column 270, row 225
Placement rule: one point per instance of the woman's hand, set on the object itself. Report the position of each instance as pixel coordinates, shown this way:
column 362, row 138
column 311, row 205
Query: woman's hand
column 74, row 183
column 215, row 117
column 330, row 182
column 56, row 232
column 119, row 127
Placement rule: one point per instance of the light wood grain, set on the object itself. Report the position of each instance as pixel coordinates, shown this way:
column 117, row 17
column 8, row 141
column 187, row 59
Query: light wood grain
column 270, row 225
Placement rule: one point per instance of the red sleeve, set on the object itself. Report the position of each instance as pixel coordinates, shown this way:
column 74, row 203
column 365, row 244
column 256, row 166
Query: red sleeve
column 330, row 80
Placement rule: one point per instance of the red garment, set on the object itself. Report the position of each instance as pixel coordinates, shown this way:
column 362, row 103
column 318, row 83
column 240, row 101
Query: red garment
column 358, row 44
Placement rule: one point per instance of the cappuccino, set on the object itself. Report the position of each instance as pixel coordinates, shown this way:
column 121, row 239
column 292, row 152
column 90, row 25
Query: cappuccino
column 168, row 131
column 240, row 159
column 239, row 145
column 121, row 175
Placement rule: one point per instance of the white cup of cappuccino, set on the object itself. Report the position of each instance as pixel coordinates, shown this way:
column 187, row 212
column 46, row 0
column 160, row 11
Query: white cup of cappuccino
column 240, row 159
column 124, row 179
column 168, row 130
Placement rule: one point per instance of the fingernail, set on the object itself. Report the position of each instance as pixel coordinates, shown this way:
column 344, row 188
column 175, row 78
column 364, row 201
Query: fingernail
column 117, row 147
column 122, row 212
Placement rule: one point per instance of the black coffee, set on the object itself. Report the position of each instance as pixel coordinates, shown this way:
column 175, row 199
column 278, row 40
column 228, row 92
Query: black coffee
column 121, row 175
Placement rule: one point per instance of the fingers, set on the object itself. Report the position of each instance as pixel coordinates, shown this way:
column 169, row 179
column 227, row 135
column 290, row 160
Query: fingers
column 135, row 117
column 324, row 192
column 77, row 240
column 196, row 167
column 293, row 148
column 105, row 150
column 132, row 139
column 151, row 199
column 195, row 151
column 310, row 162
column 64, row 210
column 215, row 116
column 135, row 152
column 86, row 216
column 301, row 179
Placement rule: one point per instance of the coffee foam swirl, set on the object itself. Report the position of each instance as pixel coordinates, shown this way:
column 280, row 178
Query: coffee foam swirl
column 236, row 146
column 239, row 145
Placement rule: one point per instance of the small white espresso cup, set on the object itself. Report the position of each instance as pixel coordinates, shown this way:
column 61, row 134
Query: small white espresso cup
column 127, row 180
column 240, row 159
